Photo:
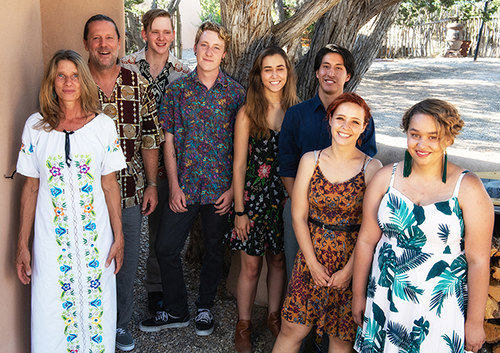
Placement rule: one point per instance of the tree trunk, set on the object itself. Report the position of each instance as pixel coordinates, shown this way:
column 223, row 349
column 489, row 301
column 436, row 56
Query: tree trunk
column 251, row 25
column 279, row 7
column 368, row 45
column 133, row 35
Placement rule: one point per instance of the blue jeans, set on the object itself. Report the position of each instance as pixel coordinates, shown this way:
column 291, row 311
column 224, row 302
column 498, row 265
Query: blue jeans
column 170, row 241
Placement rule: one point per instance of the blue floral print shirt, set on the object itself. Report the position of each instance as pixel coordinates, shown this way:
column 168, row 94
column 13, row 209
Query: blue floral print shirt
column 202, row 122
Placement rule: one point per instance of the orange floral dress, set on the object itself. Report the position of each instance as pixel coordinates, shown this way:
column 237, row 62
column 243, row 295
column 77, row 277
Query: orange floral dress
column 305, row 303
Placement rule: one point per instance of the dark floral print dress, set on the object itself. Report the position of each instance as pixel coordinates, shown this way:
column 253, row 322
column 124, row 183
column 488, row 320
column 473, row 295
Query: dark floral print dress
column 417, row 288
column 265, row 197
column 305, row 303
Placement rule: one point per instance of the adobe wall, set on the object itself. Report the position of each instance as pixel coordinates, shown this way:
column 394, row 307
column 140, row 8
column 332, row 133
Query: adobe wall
column 32, row 30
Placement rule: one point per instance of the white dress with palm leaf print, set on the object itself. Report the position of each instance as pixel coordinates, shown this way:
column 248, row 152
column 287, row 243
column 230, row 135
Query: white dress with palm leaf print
column 73, row 295
column 417, row 288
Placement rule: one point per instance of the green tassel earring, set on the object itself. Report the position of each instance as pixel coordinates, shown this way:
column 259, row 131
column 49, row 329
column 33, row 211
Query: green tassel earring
column 407, row 165
column 445, row 167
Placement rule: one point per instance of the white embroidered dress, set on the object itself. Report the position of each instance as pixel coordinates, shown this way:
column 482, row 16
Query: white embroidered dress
column 73, row 305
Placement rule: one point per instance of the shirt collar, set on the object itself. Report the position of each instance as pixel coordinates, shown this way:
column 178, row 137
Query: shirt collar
column 220, row 80
column 316, row 103
column 141, row 55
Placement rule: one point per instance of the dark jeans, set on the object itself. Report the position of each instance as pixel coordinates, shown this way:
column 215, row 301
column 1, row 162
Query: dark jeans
column 291, row 244
column 170, row 241
column 152, row 282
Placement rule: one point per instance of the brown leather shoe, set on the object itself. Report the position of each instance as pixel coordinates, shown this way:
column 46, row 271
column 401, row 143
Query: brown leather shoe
column 274, row 323
column 242, row 342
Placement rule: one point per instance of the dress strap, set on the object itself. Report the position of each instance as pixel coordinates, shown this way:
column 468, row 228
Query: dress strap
column 367, row 160
column 393, row 173
column 459, row 181
column 317, row 154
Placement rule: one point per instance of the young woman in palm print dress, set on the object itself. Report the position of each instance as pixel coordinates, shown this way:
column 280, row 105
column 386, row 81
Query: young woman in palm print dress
column 327, row 210
column 259, row 194
column 426, row 234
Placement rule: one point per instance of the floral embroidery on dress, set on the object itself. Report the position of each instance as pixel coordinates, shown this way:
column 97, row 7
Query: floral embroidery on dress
column 115, row 146
column 70, row 253
column 27, row 151
column 89, row 237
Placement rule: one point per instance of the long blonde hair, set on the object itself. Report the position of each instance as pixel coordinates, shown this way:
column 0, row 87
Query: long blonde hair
column 256, row 102
column 49, row 102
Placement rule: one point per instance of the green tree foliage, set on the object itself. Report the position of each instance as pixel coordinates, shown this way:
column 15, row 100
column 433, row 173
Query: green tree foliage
column 419, row 11
column 210, row 11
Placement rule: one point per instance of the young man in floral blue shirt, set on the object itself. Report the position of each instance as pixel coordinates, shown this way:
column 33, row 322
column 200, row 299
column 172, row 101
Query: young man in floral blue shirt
column 197, row 113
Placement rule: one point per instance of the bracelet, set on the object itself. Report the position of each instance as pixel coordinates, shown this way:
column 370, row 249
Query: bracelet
column 151, row 183
column 240, row 213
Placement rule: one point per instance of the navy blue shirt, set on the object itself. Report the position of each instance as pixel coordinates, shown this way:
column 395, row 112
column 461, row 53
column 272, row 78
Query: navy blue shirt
column 305, row 129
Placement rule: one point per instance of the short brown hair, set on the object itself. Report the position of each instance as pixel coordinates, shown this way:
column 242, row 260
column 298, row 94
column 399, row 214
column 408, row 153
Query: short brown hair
column 149, row 17
column 446, row 117
column 217, row 28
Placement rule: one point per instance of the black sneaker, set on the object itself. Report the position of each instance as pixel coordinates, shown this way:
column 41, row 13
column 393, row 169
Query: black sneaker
column 163, row 320
column 155, row 302
column 204, row 322
column 124, row 340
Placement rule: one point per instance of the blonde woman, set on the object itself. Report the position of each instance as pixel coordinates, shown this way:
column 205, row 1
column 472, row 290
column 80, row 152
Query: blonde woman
column 69, row 156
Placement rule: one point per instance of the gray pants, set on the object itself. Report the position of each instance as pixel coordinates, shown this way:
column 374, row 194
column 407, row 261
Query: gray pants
column 291, row 244
column 152, row 282
column 131, row 223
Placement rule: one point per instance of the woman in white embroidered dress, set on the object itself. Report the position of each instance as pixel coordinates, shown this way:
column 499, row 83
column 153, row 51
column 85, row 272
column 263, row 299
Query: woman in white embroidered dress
column 69, row 156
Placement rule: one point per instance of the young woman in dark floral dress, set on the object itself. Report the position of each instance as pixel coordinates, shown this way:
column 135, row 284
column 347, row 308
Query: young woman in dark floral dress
column 259, row 194
column 327, row 211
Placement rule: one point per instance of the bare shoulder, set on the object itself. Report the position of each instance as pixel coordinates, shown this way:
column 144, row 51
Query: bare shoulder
column 472, row 195
column 372, row 168
column 306, row 169
column 382, row 178
column 242, row 116
column 384, row 172
column 308, row 158
column 471, row 184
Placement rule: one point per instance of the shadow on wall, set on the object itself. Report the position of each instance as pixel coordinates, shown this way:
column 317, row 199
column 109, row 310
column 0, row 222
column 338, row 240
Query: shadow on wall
column 390, row 154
